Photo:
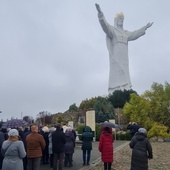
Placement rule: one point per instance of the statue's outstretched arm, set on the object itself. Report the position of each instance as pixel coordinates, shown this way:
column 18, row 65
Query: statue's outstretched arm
column 148, row 25
column 98, row 8
column 105, row 26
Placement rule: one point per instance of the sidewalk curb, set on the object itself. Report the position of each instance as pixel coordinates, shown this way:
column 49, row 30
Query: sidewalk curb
column 97, row 161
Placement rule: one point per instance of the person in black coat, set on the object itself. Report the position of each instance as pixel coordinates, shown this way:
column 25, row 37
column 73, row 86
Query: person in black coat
column 26, row 132
column 133, row 128
column 45, row 156
column 58, row 145
column 2, row 139
column 141, row 150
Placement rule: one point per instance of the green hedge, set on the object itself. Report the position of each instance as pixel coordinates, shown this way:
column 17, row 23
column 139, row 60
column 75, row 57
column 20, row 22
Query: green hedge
column 98, row 130
column 123, row 136
column 119, row 135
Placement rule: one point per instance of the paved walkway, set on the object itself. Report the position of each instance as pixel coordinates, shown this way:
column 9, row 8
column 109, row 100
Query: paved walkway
column 77, row 157
column 122, row 158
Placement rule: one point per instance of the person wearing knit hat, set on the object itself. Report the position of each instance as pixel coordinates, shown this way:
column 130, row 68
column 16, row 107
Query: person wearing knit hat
column 141, row 150
column 142, row 130
column 69, row 128
column 13, row 132
column 13, row 152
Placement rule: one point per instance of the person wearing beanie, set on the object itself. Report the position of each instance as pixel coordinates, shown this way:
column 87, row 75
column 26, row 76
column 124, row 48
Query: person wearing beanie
column 13, row 152
column 141, row 150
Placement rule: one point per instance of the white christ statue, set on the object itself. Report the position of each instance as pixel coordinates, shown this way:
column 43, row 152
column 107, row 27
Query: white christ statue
column 117, row 44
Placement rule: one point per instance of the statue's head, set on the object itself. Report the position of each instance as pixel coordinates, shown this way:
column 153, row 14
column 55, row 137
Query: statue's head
column 119, row 18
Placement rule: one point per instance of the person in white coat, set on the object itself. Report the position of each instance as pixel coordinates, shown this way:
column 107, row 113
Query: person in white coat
column 13, row 152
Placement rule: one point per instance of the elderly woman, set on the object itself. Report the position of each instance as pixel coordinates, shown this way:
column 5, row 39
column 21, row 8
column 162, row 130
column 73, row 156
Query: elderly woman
column 141, row 150
column 69, row 147
column 45, row 156
column 13, row 152
column 50, row 147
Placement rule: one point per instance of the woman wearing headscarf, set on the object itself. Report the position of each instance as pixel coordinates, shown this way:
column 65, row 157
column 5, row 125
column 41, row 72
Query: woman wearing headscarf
column 141, row 150
column 13, row 152
column 106, row 147
column 87, row 138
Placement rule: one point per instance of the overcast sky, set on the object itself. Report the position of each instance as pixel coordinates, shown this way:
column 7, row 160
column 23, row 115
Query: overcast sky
column 53, row 53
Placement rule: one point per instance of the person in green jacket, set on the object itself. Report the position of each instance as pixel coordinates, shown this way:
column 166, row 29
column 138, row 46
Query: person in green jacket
column 87, row 138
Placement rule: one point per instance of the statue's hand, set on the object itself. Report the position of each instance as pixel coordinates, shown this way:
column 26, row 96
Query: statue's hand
column 98, row 8
column 149, row 25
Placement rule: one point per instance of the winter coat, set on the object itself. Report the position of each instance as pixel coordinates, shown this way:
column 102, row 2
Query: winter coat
column 50, row 150
column 45, row 135
column 70, row 140
column 87, row 138
column 13, row 153
column 35, row 145
column 58, row 141
column 24, row 138
column 106, row 147
column 133, row 129
column 2, row 138
column 142, row 150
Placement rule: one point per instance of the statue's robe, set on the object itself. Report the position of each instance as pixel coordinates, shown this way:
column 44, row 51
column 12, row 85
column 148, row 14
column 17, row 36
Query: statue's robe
column 117, row 45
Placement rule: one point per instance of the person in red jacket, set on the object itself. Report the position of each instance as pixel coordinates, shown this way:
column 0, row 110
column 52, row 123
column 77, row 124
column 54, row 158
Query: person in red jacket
column 106, row 147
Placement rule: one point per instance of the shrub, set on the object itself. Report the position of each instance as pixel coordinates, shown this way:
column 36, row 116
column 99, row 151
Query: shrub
column 98, row 131
column 158, row 130
column 80, row 130
column 122, row 135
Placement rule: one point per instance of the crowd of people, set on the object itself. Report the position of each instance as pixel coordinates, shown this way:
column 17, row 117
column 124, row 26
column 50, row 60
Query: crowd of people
column 29, row 148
